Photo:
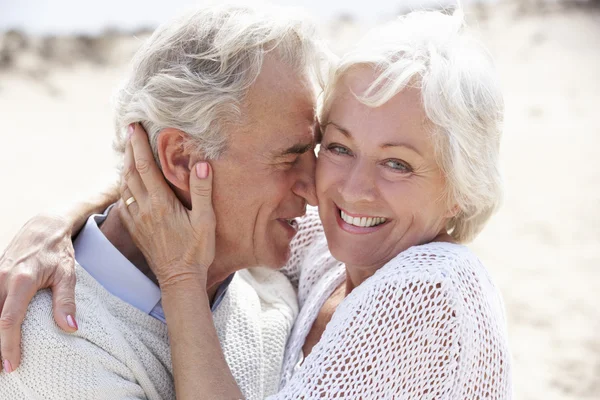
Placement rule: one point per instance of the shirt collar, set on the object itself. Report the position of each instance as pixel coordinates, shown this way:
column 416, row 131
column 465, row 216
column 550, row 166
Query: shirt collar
column 96, row 254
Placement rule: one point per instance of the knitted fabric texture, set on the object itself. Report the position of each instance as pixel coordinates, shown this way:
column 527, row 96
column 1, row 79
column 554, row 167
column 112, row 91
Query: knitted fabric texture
column 429, row 324
column 119, row 352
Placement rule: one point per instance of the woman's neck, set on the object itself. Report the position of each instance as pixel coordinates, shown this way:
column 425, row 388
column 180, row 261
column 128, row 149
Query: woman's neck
column 357, row 274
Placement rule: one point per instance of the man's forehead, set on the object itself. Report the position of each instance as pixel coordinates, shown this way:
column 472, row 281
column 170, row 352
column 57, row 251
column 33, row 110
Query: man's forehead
column 280, row 111
column 281, row 92
column 295, row 142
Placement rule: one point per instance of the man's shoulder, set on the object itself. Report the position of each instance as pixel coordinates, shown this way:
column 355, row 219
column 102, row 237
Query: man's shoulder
column 102, row 318
column 39, row 324
column 111, row 350
column 272, row 288
column 87, row 291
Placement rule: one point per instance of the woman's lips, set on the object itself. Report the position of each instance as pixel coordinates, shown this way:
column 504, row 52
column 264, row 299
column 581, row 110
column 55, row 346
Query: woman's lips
column 352, row 228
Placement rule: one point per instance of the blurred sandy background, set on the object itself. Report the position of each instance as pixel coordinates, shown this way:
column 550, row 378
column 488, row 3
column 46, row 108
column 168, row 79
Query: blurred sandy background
column 543, row 248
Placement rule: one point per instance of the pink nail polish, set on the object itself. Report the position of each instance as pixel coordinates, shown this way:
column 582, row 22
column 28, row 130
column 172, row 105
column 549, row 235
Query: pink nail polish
column 202, row 170
column 7, row 366
column 130, row 130
column 71, row 322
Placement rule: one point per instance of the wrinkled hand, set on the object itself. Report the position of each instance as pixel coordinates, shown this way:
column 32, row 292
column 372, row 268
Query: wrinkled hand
column 177, row 243
column 40, row 256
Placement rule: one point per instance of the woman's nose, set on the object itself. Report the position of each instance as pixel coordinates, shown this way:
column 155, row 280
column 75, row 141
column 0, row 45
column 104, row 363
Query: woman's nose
column 358, row 185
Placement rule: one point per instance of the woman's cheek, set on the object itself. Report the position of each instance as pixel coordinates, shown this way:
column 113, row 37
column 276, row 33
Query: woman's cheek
column 328, row 171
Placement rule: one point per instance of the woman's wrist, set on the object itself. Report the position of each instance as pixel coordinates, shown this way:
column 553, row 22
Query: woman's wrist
column 195, row 279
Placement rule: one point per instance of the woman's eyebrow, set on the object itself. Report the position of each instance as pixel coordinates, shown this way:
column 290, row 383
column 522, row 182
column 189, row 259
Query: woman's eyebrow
column 343, row 130
column 400, row 144
column 346, row 132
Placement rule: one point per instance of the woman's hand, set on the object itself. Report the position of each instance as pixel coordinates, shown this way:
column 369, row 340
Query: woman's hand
column 178, row 243
column 179, row 246
column 40, row 256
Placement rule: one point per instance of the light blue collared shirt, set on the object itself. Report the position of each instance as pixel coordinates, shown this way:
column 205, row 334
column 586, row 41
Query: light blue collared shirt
column 96, row 254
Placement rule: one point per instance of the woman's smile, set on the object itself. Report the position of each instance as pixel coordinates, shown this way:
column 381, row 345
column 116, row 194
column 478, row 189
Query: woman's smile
column 359, row 223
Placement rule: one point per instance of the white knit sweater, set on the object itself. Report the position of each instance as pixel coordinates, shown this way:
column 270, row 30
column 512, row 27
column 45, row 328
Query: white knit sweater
column 119, row 352
column 428, row 325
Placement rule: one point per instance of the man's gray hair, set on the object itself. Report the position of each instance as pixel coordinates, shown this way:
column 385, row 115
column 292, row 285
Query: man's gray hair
column 460, row 96
column 193, row 73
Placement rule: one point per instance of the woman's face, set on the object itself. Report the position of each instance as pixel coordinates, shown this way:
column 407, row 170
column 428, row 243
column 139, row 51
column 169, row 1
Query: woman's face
column 380, row 190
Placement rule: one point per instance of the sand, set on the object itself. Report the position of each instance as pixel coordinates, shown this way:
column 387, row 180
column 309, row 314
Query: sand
column 542, row 247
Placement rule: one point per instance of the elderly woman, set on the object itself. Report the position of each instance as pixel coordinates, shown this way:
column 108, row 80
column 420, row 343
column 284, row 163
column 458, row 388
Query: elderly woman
column 393, row 305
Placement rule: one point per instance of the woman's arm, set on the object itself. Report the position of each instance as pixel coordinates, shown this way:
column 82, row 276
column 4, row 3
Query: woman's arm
column 199, row 365
column 179, row 246
column 41, row 256
column 77, row 217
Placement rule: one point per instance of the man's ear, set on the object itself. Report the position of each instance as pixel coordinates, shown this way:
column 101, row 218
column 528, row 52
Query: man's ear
column 174, row 157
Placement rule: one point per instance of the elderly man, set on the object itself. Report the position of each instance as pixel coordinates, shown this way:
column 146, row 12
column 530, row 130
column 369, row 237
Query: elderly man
column 230, row 85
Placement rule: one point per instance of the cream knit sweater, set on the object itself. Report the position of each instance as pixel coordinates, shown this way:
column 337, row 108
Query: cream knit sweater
column 119, row 352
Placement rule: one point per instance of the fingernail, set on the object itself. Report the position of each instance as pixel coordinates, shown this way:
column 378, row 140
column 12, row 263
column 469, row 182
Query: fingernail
column 130, row 130
column 7, row 366
column 71, row 321
column 202, row 170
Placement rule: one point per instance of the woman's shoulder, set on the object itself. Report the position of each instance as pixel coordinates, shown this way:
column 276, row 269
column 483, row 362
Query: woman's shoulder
column 449, row 269
column 432, row 261
column 427, row 303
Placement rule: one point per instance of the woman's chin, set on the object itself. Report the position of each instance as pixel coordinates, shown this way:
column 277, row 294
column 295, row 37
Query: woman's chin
column 351, row 255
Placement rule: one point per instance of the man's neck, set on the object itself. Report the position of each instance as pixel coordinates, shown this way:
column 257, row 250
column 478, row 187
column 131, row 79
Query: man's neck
column 117, row 235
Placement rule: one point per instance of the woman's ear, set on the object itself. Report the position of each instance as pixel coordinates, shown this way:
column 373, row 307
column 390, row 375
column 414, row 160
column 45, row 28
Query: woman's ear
column 174, row 157
column 453, row 211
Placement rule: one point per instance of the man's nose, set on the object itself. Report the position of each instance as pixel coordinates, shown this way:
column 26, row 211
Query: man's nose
column 305, row 184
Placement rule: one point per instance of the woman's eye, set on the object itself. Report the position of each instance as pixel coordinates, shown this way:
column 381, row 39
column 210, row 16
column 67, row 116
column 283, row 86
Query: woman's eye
column 338, row 150
column 398, row 165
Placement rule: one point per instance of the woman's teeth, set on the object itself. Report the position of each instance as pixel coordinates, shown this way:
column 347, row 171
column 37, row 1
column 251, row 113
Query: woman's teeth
column 363, row 222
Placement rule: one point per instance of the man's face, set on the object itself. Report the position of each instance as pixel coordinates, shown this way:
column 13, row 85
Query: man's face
column 266, row 175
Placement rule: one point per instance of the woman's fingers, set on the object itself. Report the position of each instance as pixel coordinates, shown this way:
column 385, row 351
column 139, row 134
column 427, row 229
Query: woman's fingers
column 39, row 256
column 151, row 176
column 131, row 177
column 201, row 192
column 202, row 215
column 63, row 298
column 129, row 201
column 126, row 218
column 20, row 293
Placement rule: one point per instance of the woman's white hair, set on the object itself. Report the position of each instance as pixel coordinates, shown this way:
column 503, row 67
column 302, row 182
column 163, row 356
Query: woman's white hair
column 460, row 96
column 193, row 73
